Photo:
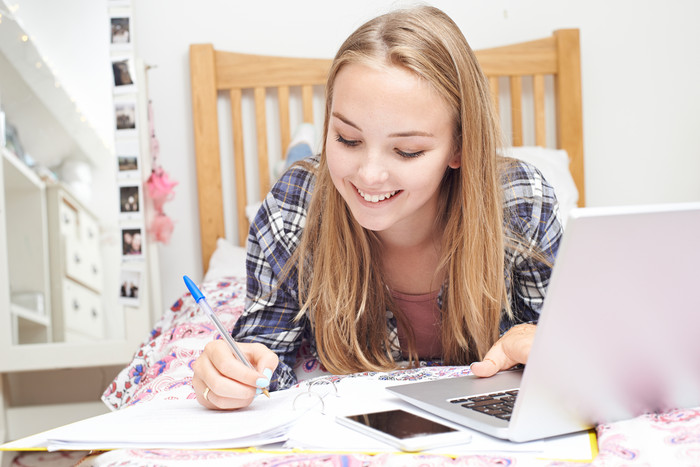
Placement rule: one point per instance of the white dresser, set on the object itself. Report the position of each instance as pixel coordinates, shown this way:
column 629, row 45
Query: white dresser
column 76, row 269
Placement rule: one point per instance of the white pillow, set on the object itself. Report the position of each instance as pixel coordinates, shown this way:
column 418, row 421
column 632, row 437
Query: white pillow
column 554, row 165
column 227, row 260
column 251, row 210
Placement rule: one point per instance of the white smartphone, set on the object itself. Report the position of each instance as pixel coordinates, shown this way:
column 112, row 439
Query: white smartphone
column 407, row 431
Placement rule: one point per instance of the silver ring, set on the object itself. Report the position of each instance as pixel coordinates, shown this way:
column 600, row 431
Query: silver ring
column 205, row 394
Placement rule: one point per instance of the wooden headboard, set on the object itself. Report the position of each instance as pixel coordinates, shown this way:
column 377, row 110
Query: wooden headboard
column 216, row 73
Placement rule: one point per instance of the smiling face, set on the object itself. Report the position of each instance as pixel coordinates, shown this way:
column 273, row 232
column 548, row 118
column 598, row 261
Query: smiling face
column 390, row 140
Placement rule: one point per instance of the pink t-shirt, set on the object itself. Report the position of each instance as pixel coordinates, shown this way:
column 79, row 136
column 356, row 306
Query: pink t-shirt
column 423, row 315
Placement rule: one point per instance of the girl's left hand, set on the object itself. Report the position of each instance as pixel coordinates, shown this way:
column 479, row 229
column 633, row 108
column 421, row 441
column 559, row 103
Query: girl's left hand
column 512, row 348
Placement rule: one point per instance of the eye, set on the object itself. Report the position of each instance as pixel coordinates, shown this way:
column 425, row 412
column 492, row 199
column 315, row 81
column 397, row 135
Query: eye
column 351, row 143
column 409, row 155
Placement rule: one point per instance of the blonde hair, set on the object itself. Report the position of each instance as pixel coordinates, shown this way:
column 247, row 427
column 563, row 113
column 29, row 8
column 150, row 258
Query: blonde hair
column 341, row 284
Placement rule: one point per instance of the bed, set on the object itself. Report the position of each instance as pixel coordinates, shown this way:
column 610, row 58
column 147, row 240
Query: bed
column 537, row 88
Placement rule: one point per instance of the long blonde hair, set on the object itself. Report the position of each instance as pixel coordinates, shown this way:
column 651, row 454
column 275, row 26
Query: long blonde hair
column 341, row 283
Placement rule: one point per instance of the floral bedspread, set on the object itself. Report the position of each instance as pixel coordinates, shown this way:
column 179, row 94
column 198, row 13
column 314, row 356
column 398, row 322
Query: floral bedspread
column 161, row 369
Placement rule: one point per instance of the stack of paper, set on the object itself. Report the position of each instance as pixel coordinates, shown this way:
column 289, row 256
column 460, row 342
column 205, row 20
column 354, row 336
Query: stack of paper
column 170, row 424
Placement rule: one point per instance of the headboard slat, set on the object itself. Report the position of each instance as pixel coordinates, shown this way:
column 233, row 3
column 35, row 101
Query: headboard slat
column 307, row 99
column 493, row 84
column 261, row 131
column 538, row 94
column 516, row 109
column 236, row 97
column 285, row 125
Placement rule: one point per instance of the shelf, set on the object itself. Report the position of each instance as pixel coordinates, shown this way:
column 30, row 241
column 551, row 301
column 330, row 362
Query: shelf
column 29, row 315
column 47, row 120
column 19, row 177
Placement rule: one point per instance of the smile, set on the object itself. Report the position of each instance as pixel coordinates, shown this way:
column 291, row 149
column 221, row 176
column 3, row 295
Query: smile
column 376, row 198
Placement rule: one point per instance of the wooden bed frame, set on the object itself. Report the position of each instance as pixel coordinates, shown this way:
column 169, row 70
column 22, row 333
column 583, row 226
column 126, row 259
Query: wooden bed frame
column 215, row 72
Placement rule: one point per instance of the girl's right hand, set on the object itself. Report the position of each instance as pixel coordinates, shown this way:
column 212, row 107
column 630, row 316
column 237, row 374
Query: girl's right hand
column 221, row 381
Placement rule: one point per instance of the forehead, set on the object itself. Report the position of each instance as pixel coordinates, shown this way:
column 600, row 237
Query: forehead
column 371, row 89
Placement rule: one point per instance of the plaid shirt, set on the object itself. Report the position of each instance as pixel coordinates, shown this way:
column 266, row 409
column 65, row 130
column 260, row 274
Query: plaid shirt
column 531, row 214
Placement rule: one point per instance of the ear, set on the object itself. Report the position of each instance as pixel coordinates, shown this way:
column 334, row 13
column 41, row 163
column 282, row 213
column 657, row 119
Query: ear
column 456, row 161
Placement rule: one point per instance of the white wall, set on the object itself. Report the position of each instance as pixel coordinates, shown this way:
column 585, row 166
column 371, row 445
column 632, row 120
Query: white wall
column 640, row 62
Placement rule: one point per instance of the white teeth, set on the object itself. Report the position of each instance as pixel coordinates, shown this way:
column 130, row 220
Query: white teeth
column 376, row 198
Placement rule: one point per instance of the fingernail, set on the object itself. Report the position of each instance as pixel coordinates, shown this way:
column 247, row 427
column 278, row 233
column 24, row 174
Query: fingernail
column 262, row 382
column 268, row 373
column 258, row 391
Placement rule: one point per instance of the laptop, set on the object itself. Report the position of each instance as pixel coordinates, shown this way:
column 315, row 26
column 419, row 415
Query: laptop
column 618, row 334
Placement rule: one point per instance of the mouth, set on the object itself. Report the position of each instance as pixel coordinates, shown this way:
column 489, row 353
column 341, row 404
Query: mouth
column 376, row 198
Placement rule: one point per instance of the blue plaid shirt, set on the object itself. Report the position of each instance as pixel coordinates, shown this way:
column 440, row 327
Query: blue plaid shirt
column 532, row 213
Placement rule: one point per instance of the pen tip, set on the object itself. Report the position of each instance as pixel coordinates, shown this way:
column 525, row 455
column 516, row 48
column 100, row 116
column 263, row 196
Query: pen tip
column 266, row 392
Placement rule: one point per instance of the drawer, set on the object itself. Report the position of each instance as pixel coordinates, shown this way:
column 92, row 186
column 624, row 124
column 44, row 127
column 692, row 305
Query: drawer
column 83, row 263
column 67, row 219
column 89, row 231
column 82, row 311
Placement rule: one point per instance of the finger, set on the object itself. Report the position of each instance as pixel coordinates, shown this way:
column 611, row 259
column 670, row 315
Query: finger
column 512, row 348
column 265, row 361
column 494, row 361
column 200, row 390
column 517, row 342
column 226, row 391
column 226, row 363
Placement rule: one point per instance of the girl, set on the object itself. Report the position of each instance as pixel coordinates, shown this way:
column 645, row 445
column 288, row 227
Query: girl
column 407, row 238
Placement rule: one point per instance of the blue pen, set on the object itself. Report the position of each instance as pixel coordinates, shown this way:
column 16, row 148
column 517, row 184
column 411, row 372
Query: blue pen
column 202, row 302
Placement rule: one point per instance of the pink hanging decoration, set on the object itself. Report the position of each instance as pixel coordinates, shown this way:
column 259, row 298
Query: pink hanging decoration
column 160, row 189
column 162, row 228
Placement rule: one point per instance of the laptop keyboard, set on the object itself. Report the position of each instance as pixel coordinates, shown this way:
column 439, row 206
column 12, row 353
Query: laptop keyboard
column 498, row 404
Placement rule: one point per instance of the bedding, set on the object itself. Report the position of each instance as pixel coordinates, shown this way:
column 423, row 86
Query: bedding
column 161, row 369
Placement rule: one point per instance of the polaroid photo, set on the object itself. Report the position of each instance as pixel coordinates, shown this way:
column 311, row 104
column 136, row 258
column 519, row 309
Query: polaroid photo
column 127, row 165
column 124, row 74
column 128, row 161
column 132, row 242
column 121, row 34
column 130, row 200
column 129, row 286
column 125, row 118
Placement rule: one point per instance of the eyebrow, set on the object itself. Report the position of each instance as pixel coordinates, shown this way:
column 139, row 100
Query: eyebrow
column 401, row 134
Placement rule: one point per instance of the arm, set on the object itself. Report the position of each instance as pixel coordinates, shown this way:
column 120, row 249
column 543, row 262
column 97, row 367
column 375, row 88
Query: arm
column 533, row 217
column 272, row 299
column 266, row 331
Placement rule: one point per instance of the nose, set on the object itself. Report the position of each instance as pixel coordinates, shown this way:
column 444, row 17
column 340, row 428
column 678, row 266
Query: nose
column 373, row 170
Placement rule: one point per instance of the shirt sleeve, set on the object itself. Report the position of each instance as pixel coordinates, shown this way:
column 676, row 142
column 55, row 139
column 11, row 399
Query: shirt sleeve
column 271, row 294
column 532, row 219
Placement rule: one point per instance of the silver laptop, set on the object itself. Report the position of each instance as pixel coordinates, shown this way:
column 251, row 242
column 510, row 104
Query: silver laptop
column 618, row 335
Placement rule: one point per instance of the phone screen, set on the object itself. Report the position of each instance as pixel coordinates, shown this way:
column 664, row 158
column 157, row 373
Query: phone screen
column 401, row 424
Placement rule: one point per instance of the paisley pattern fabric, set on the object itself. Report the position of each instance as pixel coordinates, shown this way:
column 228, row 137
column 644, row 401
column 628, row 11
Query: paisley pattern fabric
column 161, row 369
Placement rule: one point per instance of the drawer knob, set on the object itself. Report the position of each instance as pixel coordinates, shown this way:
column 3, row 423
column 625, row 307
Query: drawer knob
column 76, row 258
column 76, row 305
column 94, row 313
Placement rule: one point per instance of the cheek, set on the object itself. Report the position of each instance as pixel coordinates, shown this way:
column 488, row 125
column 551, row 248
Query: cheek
column 337, row 168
